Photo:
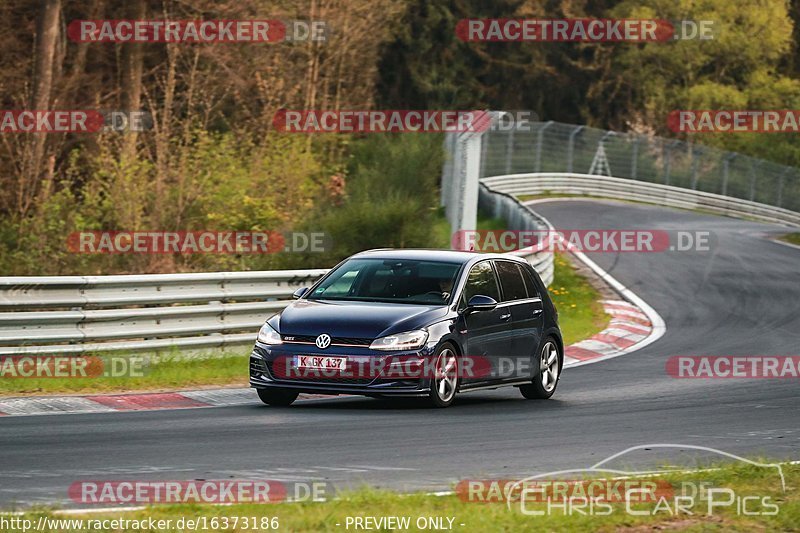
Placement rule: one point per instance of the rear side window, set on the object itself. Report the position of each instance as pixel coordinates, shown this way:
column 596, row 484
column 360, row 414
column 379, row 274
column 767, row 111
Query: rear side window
column 481, row 281
column 530, row 283
column 511, row 281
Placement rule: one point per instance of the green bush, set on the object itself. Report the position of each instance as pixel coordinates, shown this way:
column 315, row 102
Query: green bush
column 390, row 199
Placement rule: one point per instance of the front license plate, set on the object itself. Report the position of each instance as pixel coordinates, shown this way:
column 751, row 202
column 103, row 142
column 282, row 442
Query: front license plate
column 320, row 362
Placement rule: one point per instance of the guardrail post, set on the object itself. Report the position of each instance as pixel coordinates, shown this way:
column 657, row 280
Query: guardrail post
column 571, row 147
column 539, row 145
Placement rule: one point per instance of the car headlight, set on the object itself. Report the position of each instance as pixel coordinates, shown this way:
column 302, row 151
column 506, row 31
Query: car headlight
column 408, row 340
column 268, row 335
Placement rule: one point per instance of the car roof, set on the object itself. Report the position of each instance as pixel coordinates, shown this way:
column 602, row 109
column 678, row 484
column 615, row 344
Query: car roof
column 453, row 256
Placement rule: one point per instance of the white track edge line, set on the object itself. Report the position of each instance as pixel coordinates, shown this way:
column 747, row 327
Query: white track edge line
column 658, row 325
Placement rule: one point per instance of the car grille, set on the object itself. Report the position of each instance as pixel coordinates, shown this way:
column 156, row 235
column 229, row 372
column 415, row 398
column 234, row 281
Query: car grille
column 311, row 339
column 257, row 365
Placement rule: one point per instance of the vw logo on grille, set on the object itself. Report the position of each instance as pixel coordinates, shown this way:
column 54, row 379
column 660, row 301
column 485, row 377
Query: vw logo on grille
column 323, row 341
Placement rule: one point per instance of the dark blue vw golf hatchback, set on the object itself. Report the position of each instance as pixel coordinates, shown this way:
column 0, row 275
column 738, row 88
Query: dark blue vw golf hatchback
column 422, row 323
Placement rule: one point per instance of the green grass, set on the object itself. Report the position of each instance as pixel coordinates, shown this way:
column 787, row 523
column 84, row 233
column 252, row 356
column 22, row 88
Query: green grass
column 488, row 223
column 440, row 231
column 167, row 374
column 745, row 480
column 548, row 195
column 792, row 238
column 441, row 227
column 580, row 312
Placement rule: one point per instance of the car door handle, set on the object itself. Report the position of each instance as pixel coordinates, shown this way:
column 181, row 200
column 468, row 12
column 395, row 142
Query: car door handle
column 505, row 316
column 537, row 312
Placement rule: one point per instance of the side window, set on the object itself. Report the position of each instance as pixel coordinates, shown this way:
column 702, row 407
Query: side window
column 530, row 283
column 511, row 281
column 481, row 280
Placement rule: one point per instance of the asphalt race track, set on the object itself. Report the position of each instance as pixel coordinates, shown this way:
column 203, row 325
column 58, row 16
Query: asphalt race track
column 742, row 297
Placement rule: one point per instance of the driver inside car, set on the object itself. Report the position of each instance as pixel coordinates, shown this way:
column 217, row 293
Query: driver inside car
column 445, row 285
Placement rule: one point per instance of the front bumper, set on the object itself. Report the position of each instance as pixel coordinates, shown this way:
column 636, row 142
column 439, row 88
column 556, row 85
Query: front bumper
column 369, row 372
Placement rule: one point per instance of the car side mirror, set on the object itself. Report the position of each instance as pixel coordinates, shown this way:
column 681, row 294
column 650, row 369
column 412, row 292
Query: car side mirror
column 299, row 292
column 479, row 302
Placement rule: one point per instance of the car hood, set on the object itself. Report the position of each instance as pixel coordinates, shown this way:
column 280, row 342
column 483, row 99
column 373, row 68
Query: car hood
column 354, row 319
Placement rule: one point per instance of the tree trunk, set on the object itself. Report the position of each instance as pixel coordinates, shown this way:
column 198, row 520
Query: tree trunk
column 46, row 41
column 132, row 59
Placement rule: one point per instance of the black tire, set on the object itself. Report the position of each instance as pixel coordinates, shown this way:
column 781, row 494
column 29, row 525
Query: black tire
column 443, row 395
column 277, row 397
column 538, row 388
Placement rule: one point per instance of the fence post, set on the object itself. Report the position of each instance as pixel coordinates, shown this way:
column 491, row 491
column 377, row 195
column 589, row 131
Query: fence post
column 539, row 145
column 667, row 160
column 725, row 168
column 635, row 160
column 694, row 150
column 780, row 186
column 484, row 148
column 466, row 216
column 571, row 147
column 447, row 168
column 753, row 178
column 510, row 149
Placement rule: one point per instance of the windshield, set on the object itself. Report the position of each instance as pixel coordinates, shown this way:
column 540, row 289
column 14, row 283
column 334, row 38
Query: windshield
column 390, row 280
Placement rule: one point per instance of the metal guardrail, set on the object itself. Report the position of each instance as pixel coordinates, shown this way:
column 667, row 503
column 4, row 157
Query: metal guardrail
column 519, row 217
column 81, row 314
column 604, row 186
